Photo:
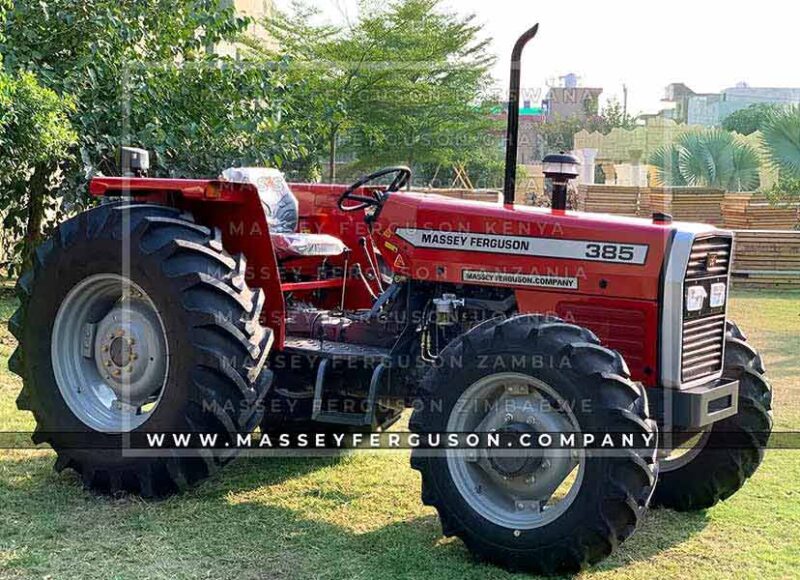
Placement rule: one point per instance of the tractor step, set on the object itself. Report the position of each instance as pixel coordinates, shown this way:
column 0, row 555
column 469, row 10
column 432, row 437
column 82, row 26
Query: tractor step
column 335, row 350
column 365, row 418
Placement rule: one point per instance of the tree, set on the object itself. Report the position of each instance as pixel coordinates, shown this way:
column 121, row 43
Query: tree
column 426, row 106
column 402, row 85
column 35, row 142
column 144, row 73
column 335, row 66
column 780, row 137
column 713, row 158
column 750, row 119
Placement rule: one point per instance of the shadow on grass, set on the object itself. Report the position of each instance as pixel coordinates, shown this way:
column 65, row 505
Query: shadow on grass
column 231, row 533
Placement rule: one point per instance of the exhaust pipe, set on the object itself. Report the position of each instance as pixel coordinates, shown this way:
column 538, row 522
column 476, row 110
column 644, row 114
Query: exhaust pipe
column 512, row 131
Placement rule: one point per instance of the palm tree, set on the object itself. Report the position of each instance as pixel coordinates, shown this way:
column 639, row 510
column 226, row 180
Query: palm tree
column 713, row 158
column 780, row 134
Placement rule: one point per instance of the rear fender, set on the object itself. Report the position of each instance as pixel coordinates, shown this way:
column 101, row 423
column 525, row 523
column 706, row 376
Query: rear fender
column 234, row 208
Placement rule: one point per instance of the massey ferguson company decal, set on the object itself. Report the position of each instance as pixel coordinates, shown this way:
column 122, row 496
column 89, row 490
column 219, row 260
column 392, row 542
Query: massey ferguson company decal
column 614, row 252
column 485, row 277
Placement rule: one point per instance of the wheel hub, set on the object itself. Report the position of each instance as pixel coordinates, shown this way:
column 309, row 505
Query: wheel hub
column 519, row 464
column 129, row 351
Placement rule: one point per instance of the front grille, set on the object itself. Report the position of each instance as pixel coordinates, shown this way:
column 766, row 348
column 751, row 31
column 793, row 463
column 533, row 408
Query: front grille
column 703, row 337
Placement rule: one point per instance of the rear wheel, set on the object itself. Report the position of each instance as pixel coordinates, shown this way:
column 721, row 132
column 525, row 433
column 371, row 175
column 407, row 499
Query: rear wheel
column 171, row 343
column 545, row 510
column 707, row 468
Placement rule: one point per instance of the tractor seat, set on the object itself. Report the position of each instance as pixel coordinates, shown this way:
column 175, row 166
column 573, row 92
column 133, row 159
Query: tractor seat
column 281, row 209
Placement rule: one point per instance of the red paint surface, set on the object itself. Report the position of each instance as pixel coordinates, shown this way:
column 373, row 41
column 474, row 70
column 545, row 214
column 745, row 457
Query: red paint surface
column 619, row 302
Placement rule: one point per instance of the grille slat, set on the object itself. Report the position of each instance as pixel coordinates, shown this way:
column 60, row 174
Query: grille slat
column 704, row 331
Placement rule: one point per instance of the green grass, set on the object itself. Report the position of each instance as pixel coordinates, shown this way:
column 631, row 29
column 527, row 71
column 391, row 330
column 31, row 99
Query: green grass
column 360, row 516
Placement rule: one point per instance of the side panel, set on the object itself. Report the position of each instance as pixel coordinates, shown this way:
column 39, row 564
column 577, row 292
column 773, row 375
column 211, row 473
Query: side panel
column 598, row 271
column 628, row 326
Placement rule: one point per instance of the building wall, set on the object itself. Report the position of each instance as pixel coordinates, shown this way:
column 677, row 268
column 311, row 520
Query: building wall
column 711, row 110
column 568, row 102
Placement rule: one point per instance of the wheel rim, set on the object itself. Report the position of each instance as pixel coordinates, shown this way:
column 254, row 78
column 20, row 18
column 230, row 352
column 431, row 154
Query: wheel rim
column 109, row 353
column 523, row 489
column 684, row 453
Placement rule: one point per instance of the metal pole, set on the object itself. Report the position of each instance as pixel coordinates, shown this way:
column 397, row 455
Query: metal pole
column 512, row 132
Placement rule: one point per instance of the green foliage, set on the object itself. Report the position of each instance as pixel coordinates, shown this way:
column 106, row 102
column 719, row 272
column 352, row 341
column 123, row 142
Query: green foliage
column 144, row 73
column 750, row 119
column 781, row 138
column 202, row 116
column 666, row 159
column 401, row 85
column 713, row 158
column 35, row 142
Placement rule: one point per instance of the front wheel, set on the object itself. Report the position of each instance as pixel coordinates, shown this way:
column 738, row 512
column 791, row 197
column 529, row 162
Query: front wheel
column 169, row 344
column 704, row 470
column 540, row 510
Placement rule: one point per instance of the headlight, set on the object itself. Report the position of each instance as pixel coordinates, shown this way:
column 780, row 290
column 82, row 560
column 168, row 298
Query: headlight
column 718, row 294
column 695, row 296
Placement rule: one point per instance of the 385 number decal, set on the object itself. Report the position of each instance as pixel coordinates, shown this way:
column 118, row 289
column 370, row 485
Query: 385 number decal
column 610, row 252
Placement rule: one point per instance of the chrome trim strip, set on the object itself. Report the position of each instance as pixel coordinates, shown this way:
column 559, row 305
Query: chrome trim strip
column 672, row 309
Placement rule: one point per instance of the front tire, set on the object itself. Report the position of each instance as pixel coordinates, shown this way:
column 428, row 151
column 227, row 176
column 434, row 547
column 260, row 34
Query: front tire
column 566, row 364
column 710, row 471
column 171, row 344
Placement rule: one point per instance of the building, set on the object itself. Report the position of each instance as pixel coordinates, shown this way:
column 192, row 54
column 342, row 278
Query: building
column 571, row 100
column 710, row 109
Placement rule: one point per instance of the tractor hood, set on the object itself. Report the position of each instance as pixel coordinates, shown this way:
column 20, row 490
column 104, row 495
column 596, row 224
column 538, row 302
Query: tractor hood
column 438, row 238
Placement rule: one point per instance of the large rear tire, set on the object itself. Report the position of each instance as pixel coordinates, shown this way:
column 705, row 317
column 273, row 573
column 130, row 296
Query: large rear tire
column 496, row 505
column 171, row 343
column 699, row 476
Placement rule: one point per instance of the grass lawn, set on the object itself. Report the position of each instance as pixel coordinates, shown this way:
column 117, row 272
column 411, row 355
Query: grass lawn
column 360, row 516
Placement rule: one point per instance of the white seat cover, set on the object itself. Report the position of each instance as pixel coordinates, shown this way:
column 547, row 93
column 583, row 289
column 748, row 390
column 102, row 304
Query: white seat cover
column 281, row 209
column 280, row 204
column 307, row 245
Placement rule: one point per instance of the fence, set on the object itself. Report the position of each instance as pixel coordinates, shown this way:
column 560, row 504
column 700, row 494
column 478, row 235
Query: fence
column 766, row 259
column 697, row 204
column 754, row 211
column 471, row 194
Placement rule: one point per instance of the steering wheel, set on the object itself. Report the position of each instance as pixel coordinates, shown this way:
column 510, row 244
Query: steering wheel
column 376, row 197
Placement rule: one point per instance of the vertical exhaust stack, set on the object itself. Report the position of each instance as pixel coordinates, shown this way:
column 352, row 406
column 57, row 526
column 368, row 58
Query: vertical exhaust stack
column 512, row 132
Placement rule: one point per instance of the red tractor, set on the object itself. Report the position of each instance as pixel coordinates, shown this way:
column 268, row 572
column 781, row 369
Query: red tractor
column 222, row 305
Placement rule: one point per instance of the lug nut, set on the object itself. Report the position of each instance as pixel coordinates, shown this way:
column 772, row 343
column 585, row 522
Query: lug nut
column 520, row 505
column 509, row 417
column 104, row 348
column 546, row 464
column 531, row 480
column 531, row 420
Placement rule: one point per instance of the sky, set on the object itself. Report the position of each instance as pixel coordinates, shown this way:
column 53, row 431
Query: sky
column 708, row 45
